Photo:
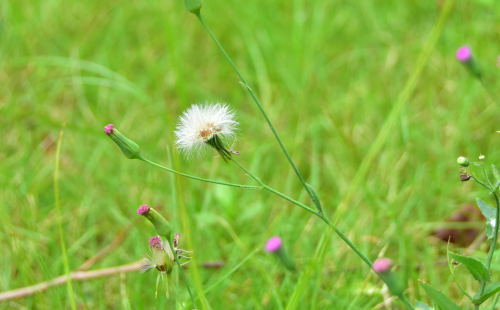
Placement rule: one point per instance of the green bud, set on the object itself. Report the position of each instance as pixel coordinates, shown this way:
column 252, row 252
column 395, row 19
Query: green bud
column 275, row 246
column 462, row 161
column 163, row 227
column 382, row 267
column 193, row 6
column 128, row 147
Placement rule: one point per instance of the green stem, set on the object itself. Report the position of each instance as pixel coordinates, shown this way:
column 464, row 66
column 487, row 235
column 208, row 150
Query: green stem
column 490, row 92
column 183, row 276
column 493, row 245
column 201, row 179
column 59, row 223
column 495, row 302
column 326, row 220
column 198, row 14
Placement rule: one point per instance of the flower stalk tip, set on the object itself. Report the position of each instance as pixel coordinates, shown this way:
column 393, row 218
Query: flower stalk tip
column 129, row 148
column 162, row 226
column 464, row 55
column 382, row 267
column 193, row 6
column 275, row 246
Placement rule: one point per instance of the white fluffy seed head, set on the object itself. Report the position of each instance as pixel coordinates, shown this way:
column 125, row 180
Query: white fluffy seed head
column 200, row 123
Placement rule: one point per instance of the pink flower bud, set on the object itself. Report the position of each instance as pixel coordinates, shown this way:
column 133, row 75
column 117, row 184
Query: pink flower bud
column 464, row 54
column 143, row 209
column 108, row 129
column 382, row 265
column 274, row 244
column 156, row 242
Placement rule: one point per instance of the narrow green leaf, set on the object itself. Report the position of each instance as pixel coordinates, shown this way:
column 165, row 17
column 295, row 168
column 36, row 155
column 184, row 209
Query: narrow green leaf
column 489, row 291
column 421, row 306
column 475, row 267
column 439, row 298
column 489, row 213
column 315, row 199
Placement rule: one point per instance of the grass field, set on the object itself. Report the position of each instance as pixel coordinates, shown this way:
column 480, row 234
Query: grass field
column 328, row 73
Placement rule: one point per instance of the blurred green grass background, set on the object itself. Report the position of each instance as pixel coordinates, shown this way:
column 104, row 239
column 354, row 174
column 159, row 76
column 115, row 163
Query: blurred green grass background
column 327, row 73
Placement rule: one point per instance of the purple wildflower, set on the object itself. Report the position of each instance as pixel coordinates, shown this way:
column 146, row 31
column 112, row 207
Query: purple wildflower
column 464, row 54
column 143, row 209
column 108, row 129
column 274, row 244
column 382, row 265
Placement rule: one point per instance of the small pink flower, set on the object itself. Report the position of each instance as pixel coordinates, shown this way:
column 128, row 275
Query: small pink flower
column 464, row 54
column 274, row 244
column 143, row 209
column 108, row 129
column 156, row 242
column 382, row 265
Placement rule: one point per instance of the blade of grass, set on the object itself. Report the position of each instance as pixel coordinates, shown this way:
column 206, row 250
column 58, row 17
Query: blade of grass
column 59, row 221
column 392, row 120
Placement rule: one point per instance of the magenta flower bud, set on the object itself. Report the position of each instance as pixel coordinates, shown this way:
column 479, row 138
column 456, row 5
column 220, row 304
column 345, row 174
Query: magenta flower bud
column 464, row 54
column 143, row 209
column 108, row 129
column 382, row 265
column 274, row 244
column 156, row 242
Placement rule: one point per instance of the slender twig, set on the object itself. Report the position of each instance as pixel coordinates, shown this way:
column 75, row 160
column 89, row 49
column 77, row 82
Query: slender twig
column 76, row 276
column 201, row 179
column 117, row 241
column 257, row 102
column 59, row 222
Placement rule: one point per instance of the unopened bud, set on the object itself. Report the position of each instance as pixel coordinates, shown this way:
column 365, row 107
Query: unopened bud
column 163, row 227
column 128, row 147
column 193, row 6
column 464, row 55
column 462, row 161
column 382, row 267
column 275, row 246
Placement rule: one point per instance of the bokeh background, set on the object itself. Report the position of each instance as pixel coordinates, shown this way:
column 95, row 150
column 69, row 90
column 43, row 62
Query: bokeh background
column 328, row 74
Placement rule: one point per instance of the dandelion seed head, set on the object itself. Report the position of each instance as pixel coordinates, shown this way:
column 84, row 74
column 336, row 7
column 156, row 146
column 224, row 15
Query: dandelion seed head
column 464, row 54
column 200, row 123
column 382, row 265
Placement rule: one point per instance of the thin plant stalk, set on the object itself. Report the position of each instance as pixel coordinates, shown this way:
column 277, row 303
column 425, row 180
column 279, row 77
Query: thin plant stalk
column 254, row 97
column 326, row 220
column 183, row 276
column 201, row 179
column 490, row 92
column 493, row 245
column 495, row 233
column 61, row 234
